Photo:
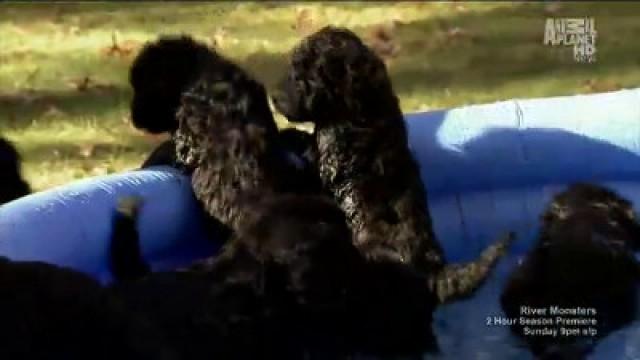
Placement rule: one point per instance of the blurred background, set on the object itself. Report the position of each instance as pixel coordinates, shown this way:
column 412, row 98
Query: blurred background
column 63, row 67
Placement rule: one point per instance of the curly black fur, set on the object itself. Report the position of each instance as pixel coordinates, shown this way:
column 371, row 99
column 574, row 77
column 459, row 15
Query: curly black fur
column 339, row 84
column 54, row 312
column 228, row 137
column 12, row 185
column 277, row 291
column 584, row 257
column 290, row 283
column 159, row 74
column 163, row 71
column 301, row 147
column 50, row 312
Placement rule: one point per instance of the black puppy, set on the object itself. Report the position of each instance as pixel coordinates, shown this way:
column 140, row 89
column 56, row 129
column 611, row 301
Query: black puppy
column 584, row 258
column 12, row 185
column 278, row 290
column 49, row 312
column 290, row 284
column 53, row 312
column 335, row 81
column 228, row 137
column 160, row 74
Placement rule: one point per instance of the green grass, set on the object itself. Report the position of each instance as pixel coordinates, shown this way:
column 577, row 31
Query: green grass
column 65, row 133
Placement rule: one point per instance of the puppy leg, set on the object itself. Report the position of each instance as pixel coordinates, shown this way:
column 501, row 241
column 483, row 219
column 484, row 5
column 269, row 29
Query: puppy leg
column 126, row 259
column 457, row 281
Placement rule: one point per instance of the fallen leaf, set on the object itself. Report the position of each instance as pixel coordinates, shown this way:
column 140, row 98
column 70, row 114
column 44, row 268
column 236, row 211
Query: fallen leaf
column 53, row 111
column 304, row 24
column 121, row 49
column 552, row 8
column 598, row 86
column 219, row 37
column 381, row 39
column 81, row 84
column 86, row 151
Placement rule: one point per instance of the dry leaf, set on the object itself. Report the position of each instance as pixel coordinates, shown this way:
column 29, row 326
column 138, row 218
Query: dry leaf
column 304, row 22
column 81, row 84
column 598, row 86
column 458, row 32
column 552, row 8
column 219, row 37
column 458, row 6
column 87, row 83
column 53, row 111
column 86, row 151
column 381, row 39
column 73, row 30
column 120, row 49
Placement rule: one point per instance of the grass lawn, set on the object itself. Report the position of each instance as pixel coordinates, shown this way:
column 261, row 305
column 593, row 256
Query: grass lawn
column 63, row 67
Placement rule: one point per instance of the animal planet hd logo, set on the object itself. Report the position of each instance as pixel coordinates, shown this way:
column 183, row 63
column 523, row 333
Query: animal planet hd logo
column 579, row 32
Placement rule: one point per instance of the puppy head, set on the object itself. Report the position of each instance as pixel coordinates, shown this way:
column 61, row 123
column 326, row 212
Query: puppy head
column 581, row 197
column 333, row 75
column 159, row 75
column 404, row 327
column 225, row 109
column 307, row 237
column 9, row 157
column 12, row 185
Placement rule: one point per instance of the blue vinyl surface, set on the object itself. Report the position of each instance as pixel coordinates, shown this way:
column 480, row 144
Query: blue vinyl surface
column 71, row 225
column 488, row 169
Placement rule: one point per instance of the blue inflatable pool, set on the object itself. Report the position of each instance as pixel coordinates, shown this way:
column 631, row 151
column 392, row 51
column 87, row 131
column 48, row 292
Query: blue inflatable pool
column 488, row 169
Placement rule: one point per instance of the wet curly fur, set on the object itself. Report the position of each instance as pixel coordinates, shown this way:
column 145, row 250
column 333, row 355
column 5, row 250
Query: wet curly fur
column 12, row 185
column 290, row 283
column 277, row 291
column 584, row 257
column 159, row 74
column 167, row 68
column 339, row 84
column 228, row 138
column 51, row 312
column 265, row 296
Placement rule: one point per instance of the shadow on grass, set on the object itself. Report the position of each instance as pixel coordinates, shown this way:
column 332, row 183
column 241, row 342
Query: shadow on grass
column 266, row 67
column 479, row 51
column 19, row 109
column 94, row 12
column 474, row 51
column 469, row 51
column 93, row 152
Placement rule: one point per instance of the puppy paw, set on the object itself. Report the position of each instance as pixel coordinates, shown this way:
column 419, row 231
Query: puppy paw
column 128, row 206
